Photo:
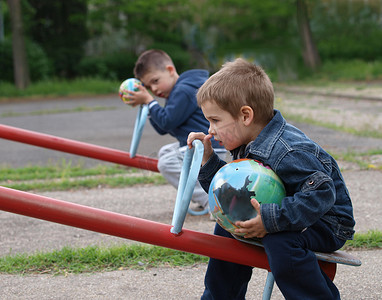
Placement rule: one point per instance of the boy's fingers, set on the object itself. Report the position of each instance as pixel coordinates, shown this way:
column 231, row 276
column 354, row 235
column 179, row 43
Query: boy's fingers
column 208, row 136
column 256, row 205
column 191, row 137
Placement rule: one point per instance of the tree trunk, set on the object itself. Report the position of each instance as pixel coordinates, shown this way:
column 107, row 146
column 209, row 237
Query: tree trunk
column 20, row 63
column 310, row 53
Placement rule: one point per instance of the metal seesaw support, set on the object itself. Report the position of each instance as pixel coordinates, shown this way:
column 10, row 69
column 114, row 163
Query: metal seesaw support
column 128, row 227
column 140, row 121
column 78, row 148
column 137, row 229
column 188, row 177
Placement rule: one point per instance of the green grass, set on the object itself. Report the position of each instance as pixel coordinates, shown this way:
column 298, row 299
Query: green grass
column 87, row 183
column 350, row 70
column 64, row 176
column 64, row 169
column 97, row 259
column 59, row 88
column 133, row 256
column 58, row 111
column 370, row 240
column 302, row 119
column 361, row 159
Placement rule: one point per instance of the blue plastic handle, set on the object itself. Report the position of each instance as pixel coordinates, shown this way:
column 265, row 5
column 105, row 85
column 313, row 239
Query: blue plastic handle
column 138, row 128
column 188, row 177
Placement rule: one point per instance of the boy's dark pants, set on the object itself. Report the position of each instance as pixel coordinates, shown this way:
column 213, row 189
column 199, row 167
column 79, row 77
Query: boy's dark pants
column 294, row 267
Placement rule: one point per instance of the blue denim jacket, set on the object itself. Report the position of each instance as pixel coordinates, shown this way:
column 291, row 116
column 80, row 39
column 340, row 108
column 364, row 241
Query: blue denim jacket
column 314, row 185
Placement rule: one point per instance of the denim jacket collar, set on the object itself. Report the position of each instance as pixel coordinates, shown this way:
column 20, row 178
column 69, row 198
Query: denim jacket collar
column 262, row 146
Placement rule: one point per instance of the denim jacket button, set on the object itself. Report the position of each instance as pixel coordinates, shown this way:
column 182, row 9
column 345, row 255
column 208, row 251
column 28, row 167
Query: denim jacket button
column 311, row 182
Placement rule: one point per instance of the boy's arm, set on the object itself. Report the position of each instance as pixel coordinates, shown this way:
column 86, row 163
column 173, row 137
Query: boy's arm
column 179, row 107
column 156, row 127
column 208, row 171
column 311, row 194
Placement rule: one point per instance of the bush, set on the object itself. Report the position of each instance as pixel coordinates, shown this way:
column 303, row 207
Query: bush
column 39, row 65
column 6, row 62
column 181, row 58
column 348, row 70
column 120, row 65
column 113, row 66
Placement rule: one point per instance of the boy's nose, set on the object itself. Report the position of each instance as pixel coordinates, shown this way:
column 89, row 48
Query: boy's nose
column 211, row 130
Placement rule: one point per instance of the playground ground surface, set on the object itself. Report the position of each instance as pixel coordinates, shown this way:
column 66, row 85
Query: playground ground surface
column 26, row 235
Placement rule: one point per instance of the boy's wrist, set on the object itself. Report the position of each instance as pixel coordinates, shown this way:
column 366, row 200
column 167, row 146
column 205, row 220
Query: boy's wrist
column 151, row 103
column 149, row 100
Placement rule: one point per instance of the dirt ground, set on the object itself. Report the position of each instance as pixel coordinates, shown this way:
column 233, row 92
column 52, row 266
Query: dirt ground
column 21, row 234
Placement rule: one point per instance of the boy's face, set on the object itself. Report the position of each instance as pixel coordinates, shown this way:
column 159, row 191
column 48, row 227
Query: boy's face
column 230, row 132
column 160, row 82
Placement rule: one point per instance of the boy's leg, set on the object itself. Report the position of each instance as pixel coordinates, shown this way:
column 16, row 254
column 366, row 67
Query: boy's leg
column 225, row 280
column 295, row 266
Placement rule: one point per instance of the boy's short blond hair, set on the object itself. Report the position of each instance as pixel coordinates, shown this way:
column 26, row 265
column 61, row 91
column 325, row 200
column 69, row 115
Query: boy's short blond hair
column 237, row 84
column 151, row 60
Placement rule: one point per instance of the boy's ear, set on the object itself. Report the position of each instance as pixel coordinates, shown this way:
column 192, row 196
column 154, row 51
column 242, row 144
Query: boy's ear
column 170, row 69
column 247, row 115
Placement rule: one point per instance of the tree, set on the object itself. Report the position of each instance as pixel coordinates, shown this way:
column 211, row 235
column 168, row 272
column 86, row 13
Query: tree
column 60, row 28
column 20, row 63
column 309, row 52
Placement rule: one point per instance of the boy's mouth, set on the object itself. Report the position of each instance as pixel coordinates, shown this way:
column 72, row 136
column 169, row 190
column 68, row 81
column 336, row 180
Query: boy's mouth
column 220, row 142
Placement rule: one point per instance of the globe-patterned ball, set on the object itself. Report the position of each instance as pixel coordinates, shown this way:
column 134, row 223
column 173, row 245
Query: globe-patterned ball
column 233, row 187
column 130, row 84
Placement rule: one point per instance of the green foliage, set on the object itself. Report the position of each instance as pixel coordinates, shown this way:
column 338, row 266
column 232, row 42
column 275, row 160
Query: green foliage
column 39, row 65
column 60, row 27
column 348, row 29
column 345, row 70
column 182, row 59
column 6, row 61
column 112, row 66
column 196, row 33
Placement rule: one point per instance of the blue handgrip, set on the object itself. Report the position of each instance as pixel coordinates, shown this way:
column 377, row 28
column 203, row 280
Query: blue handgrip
column 188, row 176
column 138, row 128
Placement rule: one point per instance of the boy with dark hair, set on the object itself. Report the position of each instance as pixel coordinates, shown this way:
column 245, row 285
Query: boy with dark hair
column 180, row 115
column 315, row 215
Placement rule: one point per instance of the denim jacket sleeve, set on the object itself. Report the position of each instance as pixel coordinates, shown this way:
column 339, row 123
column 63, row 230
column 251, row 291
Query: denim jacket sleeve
column 310, row 193
column 208, row 171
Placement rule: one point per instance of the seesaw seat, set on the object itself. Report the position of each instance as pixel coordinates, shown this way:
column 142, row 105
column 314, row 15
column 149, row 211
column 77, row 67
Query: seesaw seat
column 337, row 257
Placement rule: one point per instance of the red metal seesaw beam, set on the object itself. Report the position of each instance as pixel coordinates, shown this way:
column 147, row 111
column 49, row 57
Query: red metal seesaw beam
column 137, row 229
column 78, row 148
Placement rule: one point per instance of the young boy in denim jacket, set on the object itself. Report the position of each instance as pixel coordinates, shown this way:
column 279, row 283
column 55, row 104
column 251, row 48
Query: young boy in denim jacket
column 315, row 215
column 180, row 115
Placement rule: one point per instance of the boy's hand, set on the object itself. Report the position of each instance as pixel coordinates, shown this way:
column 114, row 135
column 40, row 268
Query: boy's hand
column 206, row 140
column 140, row 97
column 253, row 227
